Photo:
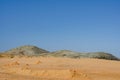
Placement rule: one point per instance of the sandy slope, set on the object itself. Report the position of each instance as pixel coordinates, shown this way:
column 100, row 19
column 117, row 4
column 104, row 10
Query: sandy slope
column 50, row 68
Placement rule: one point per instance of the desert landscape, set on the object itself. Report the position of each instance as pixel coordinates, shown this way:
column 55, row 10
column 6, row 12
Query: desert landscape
column 51, row 68
column 21, row 64
column 59, row 39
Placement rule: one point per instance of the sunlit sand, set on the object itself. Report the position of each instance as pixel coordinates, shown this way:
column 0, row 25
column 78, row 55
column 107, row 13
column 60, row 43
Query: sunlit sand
column 51, row 68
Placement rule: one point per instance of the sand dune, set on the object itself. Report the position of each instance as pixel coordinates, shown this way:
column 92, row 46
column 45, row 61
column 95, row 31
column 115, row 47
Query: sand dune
column 51, row 68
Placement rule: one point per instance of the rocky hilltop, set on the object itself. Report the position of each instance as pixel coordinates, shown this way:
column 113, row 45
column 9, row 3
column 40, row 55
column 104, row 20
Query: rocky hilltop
column 26, row 50
column 35, row 51
column 71, row 54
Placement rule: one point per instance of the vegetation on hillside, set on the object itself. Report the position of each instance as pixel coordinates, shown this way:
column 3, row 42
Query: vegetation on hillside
column 35, row 51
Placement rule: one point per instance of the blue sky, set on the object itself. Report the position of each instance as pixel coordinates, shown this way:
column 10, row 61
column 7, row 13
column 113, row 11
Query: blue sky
column 78, row 25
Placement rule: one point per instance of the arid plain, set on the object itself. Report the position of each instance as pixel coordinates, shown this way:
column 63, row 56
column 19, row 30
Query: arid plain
column 56, row 68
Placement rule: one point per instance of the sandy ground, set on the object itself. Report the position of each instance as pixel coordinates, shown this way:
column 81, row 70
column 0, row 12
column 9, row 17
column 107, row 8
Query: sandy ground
column 50, row 68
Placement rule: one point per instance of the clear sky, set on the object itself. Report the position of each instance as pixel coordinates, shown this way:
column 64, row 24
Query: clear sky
column 78, row 25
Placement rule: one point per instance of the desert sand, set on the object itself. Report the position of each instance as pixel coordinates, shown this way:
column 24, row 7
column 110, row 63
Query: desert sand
column 51, row 68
